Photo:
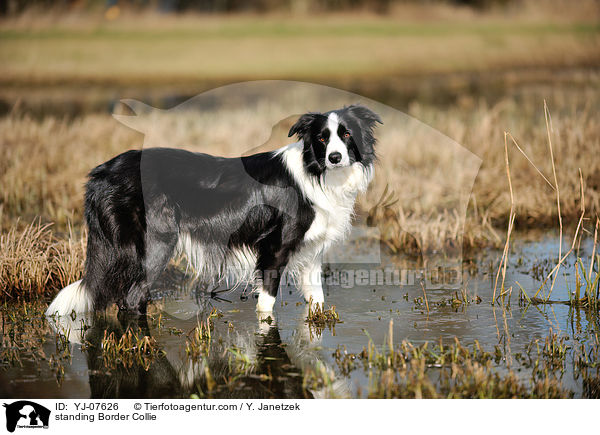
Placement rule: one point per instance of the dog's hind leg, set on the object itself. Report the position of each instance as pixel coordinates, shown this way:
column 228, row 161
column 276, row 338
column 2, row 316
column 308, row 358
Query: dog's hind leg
column 159, row 250
column 113, row 264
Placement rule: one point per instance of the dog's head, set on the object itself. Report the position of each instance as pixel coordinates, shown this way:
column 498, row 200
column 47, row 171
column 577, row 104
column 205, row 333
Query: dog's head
column 338, row 138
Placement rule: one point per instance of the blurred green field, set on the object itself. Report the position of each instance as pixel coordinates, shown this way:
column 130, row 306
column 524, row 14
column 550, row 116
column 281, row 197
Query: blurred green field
column 188, row 49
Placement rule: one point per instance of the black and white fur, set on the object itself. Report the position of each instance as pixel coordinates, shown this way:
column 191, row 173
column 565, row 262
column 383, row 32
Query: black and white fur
column 255, row 216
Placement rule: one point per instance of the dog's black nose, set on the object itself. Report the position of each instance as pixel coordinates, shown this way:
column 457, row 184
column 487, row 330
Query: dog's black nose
column 335, row 157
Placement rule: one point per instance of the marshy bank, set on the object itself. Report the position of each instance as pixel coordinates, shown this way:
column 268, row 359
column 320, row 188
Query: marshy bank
column 481, row 336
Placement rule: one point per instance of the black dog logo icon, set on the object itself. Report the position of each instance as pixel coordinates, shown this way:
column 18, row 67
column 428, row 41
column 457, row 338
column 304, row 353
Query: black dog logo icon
column 25, row 413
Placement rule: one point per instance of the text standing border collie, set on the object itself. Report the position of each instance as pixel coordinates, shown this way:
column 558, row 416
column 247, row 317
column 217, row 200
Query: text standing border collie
column 253, row 216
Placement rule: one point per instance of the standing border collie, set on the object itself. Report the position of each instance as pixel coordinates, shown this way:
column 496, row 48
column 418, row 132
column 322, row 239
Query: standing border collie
column 252, row 217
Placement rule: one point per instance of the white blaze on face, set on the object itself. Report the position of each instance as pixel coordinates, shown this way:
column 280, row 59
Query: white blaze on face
column 335, row 144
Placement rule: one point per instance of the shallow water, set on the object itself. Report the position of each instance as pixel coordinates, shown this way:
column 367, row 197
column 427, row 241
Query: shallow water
column 280, row 353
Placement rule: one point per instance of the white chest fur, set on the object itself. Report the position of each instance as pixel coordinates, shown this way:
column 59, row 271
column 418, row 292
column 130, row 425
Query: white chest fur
column 332, row 218
column 333, row 198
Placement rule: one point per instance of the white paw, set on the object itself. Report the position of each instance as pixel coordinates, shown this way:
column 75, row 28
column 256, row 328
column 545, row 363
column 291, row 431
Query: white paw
column 265, row 302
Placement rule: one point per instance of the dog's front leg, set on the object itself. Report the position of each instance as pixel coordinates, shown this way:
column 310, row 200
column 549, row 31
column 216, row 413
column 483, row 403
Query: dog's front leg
column 267, row 290
column 265, row 301
column 311, row 284
column 273, row 257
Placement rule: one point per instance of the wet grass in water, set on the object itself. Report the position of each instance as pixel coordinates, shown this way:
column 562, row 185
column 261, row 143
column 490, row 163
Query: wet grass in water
column 131, row 348
column 319, row 318
column 25, row 331
column 404, row 370
column 198, row 340
column 429, row 370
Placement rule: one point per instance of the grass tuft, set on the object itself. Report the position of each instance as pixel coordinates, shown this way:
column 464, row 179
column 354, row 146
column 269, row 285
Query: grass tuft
column 34, row 263
column 132, row 348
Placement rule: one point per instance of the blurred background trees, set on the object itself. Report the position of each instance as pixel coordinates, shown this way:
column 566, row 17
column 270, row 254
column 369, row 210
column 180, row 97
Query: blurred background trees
column 11, row 7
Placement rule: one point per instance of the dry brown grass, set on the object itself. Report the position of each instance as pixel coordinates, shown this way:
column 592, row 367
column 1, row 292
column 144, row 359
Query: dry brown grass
column 34, row 263
column 575, row 136
column 44, row 164
column 480, row 127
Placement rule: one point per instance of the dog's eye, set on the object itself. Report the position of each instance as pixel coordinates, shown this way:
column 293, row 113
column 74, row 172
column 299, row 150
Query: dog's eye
column 346, row 135
column 322, row 139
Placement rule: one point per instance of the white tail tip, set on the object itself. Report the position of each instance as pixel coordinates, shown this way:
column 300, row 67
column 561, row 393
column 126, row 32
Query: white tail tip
column 73, row 298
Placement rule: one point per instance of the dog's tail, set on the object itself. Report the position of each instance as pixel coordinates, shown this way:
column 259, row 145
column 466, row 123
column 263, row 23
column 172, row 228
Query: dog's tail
column 73, row 298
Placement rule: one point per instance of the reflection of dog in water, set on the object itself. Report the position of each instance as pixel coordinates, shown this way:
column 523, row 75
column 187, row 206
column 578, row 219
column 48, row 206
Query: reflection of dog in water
column 25, row 413
column 272, row 369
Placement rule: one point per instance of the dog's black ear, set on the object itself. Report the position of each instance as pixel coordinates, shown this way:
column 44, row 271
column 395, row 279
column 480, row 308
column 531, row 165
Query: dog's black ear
column 365, row 114
column 303, row 124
